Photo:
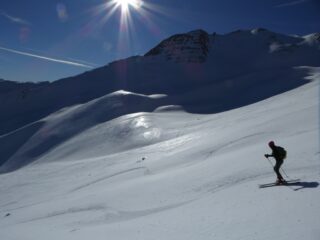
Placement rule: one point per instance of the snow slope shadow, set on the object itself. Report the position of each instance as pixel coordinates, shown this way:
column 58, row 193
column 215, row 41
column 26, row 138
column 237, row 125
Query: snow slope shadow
column 240, row 91
column 10, row 143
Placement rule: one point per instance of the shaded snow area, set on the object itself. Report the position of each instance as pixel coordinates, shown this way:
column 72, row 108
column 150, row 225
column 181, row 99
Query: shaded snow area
column 127, row 166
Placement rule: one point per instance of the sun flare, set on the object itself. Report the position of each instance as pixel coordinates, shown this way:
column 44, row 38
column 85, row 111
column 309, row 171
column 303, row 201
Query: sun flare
column 128, row 13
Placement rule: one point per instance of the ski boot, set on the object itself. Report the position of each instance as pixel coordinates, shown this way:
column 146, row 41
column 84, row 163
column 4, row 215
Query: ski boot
column 280, row 181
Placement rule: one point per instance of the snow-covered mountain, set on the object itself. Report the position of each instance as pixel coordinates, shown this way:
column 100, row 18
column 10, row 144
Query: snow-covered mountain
column 256, row 63
column 122, row 152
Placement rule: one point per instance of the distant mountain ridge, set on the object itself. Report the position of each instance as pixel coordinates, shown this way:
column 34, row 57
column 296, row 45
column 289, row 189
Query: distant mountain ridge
column 258, row 59
column 9, row 86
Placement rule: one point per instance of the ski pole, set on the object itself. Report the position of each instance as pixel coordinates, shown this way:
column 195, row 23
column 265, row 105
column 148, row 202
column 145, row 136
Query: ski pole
column 269, row 161
column 280, row 168
column 284, row 172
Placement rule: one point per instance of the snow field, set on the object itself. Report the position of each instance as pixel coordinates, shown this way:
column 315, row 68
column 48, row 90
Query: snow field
column 173, row 175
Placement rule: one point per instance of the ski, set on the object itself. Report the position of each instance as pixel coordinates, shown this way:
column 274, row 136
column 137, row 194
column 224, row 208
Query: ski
column 288, row 182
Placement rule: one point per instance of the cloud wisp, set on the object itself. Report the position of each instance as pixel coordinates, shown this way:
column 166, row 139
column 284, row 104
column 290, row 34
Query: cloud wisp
column 77, row 64
column 292, row 3
column 14, row 19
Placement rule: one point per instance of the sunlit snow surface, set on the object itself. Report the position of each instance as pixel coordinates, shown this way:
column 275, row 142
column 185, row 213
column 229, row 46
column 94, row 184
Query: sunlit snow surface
column 167, row 174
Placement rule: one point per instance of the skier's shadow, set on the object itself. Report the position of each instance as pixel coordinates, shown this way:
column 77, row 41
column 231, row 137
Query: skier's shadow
column 302, row 185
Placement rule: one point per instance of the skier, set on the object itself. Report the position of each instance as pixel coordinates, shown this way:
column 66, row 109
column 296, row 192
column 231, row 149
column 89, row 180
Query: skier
column 279, row 155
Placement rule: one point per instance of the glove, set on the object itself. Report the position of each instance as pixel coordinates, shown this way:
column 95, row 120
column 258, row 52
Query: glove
column 266, row 155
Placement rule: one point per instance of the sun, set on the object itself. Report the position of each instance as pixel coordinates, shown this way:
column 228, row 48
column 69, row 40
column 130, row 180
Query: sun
column 125, row 4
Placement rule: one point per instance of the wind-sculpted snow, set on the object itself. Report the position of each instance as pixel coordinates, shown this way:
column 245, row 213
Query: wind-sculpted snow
column 29, row 143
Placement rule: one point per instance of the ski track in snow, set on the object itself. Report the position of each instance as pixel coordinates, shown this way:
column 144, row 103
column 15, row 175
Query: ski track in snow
column 108, row 177
column 243, row 178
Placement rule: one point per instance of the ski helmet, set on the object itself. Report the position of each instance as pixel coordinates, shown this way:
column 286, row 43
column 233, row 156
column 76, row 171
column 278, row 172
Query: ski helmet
column 271, row 144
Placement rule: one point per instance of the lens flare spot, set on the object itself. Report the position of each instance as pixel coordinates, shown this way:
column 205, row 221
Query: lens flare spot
column 62, row 12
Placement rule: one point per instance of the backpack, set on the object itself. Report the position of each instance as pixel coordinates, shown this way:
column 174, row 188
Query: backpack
column 282, row 152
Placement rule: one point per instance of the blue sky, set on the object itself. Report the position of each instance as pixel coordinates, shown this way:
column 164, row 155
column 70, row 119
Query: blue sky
column 47, row 40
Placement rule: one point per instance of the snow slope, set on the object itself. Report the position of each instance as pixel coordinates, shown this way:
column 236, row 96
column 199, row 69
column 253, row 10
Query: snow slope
column 29, row 143
column 164, row 173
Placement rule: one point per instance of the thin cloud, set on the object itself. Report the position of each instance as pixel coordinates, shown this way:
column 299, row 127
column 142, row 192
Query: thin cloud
column 14, row 19
column 293, row 3
column 77, row 64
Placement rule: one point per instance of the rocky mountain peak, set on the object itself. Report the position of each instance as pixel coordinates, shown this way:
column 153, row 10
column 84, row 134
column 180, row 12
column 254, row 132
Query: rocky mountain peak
column 184, row 48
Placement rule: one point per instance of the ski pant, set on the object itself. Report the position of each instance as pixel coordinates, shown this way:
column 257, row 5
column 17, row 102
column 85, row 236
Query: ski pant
column 276, row 168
